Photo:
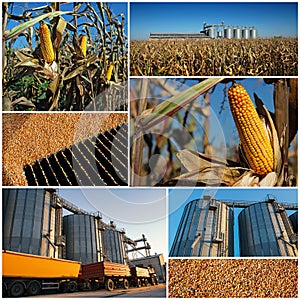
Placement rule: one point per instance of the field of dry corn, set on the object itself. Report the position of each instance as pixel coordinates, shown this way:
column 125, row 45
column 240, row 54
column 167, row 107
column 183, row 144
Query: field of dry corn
column 263, row 57
column 233, row 278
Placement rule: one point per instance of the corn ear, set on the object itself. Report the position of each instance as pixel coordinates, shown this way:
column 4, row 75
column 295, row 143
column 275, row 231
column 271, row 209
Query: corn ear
column 109, row 72
column 255, row 142
column 82, row 44
column 46, row 43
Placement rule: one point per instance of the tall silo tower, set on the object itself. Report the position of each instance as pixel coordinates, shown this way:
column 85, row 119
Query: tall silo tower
column 113, row 244
column 32, row 222
column 90, row 240
column 265, row 230
column 205, row 229
column 83, row 241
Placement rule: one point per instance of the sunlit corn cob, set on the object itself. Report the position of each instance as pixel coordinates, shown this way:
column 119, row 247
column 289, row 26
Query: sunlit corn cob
column 46, row 43
column 254, row 139
column 109, row 72
column 82, row 44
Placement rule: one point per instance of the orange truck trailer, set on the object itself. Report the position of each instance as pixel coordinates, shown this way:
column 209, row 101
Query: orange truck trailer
column 106, row 274
column 30, row 274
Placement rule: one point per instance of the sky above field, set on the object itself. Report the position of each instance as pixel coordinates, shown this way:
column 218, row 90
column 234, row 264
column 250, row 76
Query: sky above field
column 138, row 211
column 269, row 18
column 178, row 198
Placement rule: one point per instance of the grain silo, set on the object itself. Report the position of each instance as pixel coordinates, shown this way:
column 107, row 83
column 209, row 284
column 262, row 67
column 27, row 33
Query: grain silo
column 265, row 230
column 237, row 33
column 113, row 245
column 245, row 33
column 253, row 33
column 294, row 220
column 83, row 241
column 211, row 32
column 32, row 222
column 205, row 229
column 228, row 33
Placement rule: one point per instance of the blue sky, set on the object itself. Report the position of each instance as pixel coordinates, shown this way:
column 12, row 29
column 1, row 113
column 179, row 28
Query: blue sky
column 270, row 18
column 19, row 7
column 138, row 211
column 178, row 198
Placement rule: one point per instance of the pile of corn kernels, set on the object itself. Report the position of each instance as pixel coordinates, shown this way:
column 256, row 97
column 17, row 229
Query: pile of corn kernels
column 28, row 137
column 233, row 278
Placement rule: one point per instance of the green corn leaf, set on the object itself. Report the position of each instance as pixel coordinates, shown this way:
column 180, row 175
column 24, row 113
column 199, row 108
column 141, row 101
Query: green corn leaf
column 174, row 104
column 22, row 27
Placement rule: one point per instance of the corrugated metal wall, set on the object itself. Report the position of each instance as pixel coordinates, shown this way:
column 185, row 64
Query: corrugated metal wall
column 265, row 230
column 113, row 246
column 28, row 221
column 82, row 239
column 205, row 229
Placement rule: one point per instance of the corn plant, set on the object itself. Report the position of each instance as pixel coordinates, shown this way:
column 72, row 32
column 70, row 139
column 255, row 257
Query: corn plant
column 170, row 134
column 65, row 52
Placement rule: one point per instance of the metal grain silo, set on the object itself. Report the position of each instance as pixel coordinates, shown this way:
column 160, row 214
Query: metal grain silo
column 212, row 32
column 294, row 220
column 245, row 33
column 228, row 33
column 113, row 245
column 253, row 33
column 29, row 221
column 237, row 33
column 83, row 241
column 265, row 230
column 205, row 229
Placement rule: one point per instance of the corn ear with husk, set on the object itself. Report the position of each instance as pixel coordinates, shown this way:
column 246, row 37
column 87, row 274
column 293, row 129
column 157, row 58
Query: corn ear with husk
column 83, row 44
column 254, row 139
column 109, row 72
column 46, row 43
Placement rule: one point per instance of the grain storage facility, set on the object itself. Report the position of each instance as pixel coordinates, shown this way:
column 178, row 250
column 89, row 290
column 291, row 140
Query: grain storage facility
column 210, row 31
column 82, row 238
column 113, row 244
column 294, row 221
column 90, row 240
column 32, row 222
column 266, row 230
column 205, row 229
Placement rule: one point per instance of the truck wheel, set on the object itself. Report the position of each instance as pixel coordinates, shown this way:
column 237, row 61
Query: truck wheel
column 72, row 286
column 17, row 289
column 33, row 288
column 146, row 282
column 139, row 283
column 125, row 284
column 109, row 285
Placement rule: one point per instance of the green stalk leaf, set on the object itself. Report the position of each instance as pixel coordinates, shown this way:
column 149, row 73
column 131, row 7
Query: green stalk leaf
column 22, row 27
column 172, row 105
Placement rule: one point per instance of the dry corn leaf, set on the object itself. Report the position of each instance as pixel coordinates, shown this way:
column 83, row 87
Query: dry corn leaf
column 247, row 179
column 269, row 180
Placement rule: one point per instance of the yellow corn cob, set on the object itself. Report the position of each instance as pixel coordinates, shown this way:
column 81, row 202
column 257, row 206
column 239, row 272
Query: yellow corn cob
column 254, row 139
column 82, row 44
column 109, row 72
column 46, row 43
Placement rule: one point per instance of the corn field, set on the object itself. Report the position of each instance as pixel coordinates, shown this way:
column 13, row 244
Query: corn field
column 259, row 57
column 64, row 56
